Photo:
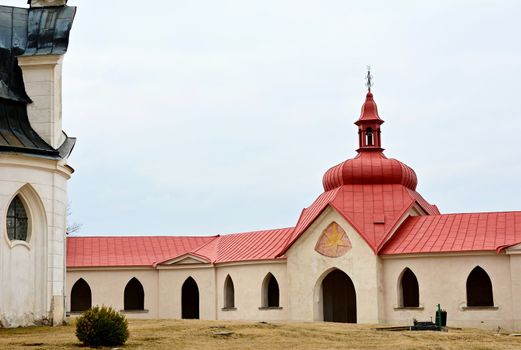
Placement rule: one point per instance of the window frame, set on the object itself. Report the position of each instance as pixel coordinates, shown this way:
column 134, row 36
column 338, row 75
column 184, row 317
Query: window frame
column 28, row 212
column 133, row 280
column 226, row 307
column 71, row 296
column 401, row 294
column 493, row 306
column 265, row 293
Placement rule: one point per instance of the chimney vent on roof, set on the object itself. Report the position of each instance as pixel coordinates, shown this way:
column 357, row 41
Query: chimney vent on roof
column 379, row 219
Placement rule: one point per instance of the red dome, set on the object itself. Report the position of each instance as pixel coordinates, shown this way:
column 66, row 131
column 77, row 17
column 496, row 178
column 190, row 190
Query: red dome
column 369, row 168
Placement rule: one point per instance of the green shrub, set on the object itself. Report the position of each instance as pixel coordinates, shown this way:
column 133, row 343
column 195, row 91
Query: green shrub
column 102, row 326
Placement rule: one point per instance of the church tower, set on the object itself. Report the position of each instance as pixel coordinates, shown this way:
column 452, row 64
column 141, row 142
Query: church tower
column 369, row 135
column 369, row 126
column 33, row 162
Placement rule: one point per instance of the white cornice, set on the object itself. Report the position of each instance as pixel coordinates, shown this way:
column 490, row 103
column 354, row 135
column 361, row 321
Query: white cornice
column 439, row 254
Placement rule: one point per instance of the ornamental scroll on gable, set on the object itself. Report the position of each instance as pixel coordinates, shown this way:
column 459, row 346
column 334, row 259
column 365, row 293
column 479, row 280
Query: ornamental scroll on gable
column 333, row 241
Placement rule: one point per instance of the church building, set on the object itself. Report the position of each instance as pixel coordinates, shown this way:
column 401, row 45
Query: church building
column 369, row 249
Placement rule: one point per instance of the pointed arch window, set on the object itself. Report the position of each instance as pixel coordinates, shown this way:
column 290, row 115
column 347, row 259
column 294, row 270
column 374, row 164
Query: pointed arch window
column 479, row 288
column 409, row 289
column 190, row 299
column 17, row 220
column 81, row 296
column 229, row 293
column 270, row 292
column 134, row 296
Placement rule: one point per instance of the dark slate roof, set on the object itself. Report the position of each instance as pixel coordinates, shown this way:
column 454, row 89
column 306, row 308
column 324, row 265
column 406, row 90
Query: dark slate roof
column 36, row 31
column 28, row 32
column 16, row 133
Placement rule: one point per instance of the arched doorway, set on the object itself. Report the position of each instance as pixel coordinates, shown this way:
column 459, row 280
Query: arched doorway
column 338, row 298
column 81, row 297
column 190, row 299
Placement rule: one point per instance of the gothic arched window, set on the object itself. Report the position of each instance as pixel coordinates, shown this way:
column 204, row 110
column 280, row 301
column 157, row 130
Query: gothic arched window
column 229, row 293
column 410, row 292
column 17, row 221
column 270, row 291
column 134, row 295
column 81, row 296
column 479, row 288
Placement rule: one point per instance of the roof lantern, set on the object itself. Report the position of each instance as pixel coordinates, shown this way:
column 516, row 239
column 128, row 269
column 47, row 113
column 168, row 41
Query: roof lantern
column 369, row 121
column 370, row 166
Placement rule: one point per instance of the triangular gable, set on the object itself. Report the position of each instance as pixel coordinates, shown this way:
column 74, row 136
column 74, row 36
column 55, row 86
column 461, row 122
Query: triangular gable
column 185, row 259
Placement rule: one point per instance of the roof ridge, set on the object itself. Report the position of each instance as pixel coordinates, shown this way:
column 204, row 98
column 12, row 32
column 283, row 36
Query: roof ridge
column 256, row 231
column 478, row 212
column 141, row 236
column 183, row 236
column 216, row 239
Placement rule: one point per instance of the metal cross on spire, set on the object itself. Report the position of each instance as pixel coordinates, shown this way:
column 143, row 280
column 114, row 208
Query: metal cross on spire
column 369, row 78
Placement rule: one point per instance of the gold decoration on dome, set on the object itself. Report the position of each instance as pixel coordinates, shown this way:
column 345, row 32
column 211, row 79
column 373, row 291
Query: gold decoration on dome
column 333, row 241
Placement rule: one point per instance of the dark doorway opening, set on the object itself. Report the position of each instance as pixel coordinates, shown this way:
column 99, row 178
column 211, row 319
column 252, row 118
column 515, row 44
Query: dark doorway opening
column 81, row 297
column 338, row 298
column 134, row 296
column 479, row 288
column 190, row 299
column 410, row 289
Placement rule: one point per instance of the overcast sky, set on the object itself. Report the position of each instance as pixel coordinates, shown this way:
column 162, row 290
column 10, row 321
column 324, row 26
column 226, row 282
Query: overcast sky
column 205, row 117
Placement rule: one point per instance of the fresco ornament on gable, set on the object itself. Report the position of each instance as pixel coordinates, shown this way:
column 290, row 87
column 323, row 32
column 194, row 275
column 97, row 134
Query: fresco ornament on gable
column 333, row 242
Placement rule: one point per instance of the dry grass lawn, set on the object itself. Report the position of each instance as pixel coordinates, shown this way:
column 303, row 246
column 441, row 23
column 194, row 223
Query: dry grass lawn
column 175, row 334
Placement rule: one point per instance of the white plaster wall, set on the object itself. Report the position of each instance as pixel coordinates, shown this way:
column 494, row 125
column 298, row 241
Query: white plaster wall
column 163, row 289
column 42, row 78
column 306, row 268
column 170, row 282
column 442, row 279
column 32, row 274
column 515, row 277
column 108, row 287
column 247, row 281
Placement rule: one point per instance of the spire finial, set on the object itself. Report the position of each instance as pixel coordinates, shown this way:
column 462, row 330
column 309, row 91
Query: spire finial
column 369, row 78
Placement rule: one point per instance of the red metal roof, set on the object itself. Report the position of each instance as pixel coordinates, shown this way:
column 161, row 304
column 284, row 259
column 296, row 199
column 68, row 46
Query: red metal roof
column 258, row 245
column 456, row 233
column 373, row 210
column 151, row 250
column 128, row 251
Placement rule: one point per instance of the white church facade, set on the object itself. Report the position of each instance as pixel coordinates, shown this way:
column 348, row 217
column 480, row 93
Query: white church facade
column 369, row 249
